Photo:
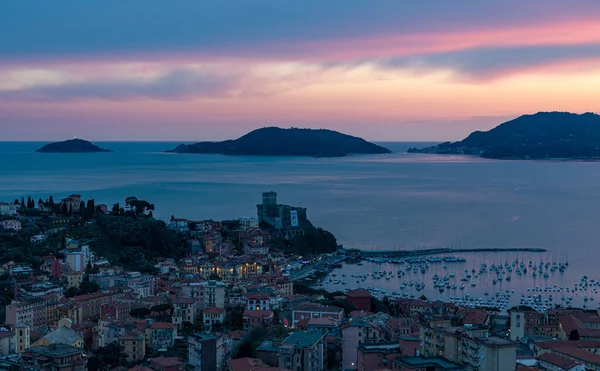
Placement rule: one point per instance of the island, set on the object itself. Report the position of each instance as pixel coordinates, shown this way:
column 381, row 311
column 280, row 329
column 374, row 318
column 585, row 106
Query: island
column 274, row 141
column 544, row 135
column 72, row 146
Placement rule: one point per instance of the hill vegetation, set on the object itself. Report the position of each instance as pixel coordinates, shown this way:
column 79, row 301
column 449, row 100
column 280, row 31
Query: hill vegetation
column 72, row 146
column 544, row 135
column 274, row 141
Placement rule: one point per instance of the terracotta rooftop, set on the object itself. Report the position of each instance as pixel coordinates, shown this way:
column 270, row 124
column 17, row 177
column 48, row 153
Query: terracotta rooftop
column 181, row 300
column 140, row 368
column 214, row 310
column 323, row 321
column 579, row 354
column 251, row 364
column 258, row 313
column 245, row 364
column 257, row 296
column 162, row 325
column 167, row 361
column 358, row 293
column 316, row 307
column 476, row 317
column 576, row 344
column 559, row 361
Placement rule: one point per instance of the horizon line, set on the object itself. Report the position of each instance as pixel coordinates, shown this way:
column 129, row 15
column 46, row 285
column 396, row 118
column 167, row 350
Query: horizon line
column 192, row 141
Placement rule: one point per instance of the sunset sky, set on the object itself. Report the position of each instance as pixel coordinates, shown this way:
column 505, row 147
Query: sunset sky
column 212, row 70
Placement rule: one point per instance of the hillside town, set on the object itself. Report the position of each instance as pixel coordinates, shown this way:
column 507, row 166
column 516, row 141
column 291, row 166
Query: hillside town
column 98, row 287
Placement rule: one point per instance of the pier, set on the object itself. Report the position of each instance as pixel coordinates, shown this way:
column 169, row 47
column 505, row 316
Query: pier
column 404, row 253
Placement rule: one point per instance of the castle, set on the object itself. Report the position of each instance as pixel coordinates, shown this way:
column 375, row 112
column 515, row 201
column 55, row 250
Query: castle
column 290, row 220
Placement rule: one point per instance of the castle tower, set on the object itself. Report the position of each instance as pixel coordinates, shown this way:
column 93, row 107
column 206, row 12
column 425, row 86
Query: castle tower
column 269, row 198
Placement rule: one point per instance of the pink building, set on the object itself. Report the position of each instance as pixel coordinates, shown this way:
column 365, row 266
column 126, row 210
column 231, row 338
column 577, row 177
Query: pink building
column 115, row 311
column 57, row 268
column 257, row 318
column 307, row 311
column 361, row 299
column 32, row 313
column 409, row 345
column 404, row 325
column 357, row 333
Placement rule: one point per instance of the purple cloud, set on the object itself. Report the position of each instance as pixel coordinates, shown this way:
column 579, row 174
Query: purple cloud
column 174, row 85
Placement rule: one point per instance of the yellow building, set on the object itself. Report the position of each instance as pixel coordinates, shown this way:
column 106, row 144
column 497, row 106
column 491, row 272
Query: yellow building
column 22, row 337
column 134, row 345
column 52, row 313
column 249, row 269
column 469, row 346
column 442, row 340
column 207, row 244
column 74, row 279
column 72, row 312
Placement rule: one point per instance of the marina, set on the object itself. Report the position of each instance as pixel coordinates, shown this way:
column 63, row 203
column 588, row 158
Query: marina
column 497, row 280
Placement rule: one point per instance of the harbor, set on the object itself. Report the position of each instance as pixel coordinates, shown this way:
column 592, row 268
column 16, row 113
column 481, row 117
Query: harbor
column 495, row 279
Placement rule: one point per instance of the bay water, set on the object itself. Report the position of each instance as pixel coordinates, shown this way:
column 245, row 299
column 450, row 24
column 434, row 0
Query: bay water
column 395, row 201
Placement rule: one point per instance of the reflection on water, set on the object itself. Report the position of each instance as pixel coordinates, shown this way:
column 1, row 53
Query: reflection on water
column 500, row 280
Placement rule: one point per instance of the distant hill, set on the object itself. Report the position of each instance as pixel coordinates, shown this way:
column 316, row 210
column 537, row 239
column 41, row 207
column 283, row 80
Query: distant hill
column 72, row 146
column 544, row 135
column 274, row 141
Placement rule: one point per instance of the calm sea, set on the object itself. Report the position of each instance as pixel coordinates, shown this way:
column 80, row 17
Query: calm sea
column 372, row 202
column 384, row 201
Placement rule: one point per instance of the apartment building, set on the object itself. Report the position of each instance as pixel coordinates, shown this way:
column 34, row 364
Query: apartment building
column 208, row 294
column 303, row 351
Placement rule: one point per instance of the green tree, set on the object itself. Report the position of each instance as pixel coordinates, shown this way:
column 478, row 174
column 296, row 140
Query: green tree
column 215, row 277
column 235, row 318
column 248, row 345
column 313, row 241
column 141, row 313
column 162, row 309
column 379, row 306
column 71, row 291
column 107, row 358
column 90, row 208
column 137, row 206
